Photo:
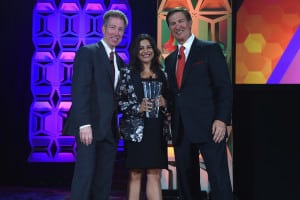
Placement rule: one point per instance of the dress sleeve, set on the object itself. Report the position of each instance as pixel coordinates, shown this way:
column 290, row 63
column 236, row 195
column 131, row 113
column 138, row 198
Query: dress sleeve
column 126, row 96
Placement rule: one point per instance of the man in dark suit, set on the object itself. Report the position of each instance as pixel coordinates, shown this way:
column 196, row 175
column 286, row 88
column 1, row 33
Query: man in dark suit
column 92, row 119
column 201, row 105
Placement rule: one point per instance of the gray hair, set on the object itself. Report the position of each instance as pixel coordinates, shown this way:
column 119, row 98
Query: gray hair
column 115, row 13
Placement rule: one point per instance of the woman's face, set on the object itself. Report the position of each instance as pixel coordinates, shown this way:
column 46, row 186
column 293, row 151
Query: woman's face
column 146, row 52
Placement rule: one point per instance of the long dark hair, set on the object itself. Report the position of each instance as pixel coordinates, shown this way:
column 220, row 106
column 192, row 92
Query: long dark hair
column 134, row 49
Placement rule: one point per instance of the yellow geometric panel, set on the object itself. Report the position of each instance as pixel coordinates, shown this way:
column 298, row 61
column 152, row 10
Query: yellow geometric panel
column 255, row 43
column 255, row 78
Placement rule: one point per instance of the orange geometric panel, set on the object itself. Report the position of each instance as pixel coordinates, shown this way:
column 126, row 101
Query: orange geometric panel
column 277, row 23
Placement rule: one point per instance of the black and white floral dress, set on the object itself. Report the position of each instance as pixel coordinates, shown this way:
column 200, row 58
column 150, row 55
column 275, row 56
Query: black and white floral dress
column 146, row 149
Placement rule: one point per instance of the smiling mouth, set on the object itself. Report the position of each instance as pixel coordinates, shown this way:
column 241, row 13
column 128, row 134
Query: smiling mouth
column 179, row 32
column 146, row 55
column 115, row 39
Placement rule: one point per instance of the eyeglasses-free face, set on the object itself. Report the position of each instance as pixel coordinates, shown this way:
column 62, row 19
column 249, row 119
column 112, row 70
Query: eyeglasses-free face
column 113, row 31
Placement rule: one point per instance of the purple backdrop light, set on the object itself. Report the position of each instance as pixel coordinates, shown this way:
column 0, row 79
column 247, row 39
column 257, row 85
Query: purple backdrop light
column 57, row 33
column 287, row 70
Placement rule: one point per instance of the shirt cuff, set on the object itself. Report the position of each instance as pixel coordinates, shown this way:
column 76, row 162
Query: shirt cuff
column 87, row 125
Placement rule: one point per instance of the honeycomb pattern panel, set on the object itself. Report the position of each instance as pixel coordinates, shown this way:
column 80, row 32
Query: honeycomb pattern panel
column 269, row 30
column 59, row 29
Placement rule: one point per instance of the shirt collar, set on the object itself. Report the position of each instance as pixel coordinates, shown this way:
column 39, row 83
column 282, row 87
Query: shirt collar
column 107, row 48
column 188, row 43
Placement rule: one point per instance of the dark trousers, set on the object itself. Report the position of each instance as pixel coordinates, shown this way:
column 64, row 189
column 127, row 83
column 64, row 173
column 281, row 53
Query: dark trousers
column 93, row 171
column 188, row 171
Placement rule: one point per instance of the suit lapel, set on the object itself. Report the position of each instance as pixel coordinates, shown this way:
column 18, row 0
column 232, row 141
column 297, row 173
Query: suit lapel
column 120, row 63
column 188, row 64
column 105, row 62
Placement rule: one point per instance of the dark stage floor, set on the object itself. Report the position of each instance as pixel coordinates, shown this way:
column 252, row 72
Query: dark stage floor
column 30, row 193
column 59, row 192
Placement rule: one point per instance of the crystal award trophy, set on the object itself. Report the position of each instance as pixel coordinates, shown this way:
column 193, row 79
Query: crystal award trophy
column 152, row 90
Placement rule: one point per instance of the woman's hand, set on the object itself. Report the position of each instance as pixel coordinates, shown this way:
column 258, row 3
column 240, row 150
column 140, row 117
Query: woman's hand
column 146, row 105
column 161, row 101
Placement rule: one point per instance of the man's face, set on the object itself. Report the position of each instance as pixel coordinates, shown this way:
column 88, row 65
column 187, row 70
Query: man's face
column 113, row 31
column 180, row 27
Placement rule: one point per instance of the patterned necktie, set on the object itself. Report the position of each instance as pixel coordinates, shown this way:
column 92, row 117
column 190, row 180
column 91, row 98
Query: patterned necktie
column 111, row 59
column 180, row 66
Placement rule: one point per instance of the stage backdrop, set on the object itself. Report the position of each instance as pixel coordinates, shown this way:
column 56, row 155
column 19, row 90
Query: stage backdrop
column 58, row 31
column 268, row 42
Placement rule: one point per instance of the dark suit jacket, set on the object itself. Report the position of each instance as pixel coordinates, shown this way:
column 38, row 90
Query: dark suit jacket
column 93, row 97
column 205, row 94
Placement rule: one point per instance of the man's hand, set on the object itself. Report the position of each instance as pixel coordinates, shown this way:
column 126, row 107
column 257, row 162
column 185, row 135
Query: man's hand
column 218, row 130
column 86, row 135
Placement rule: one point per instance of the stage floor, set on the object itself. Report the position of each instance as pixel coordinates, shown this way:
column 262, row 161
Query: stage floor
column 37, row 193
